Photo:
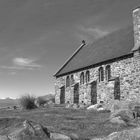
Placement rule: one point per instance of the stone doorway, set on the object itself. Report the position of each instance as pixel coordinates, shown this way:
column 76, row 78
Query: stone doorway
column 62, row 95
column 94, row 92
column 76, row 94
column 117, row 89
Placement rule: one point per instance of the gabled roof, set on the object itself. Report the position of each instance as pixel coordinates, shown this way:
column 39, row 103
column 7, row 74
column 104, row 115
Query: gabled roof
column 114, row 45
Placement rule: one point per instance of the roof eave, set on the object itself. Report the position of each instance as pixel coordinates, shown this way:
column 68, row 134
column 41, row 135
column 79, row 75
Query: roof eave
column 97, row 64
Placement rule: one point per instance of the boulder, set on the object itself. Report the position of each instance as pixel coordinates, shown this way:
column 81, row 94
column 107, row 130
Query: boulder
column 94, row 107
column 4, row 138
column 74, row 136
column 123, row 115
column 29, row 130
column 20, row 129
column 131, row 134
column 117, row 120
column 59, row 136
column 100, row 109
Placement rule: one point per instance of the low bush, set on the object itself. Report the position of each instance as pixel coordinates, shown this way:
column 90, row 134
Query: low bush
column 27, row 102
column 41, row 101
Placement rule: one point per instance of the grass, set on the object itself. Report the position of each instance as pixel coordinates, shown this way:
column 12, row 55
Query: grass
column 59, row 119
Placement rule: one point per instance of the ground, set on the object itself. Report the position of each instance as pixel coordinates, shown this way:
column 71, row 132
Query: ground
column 59, row 119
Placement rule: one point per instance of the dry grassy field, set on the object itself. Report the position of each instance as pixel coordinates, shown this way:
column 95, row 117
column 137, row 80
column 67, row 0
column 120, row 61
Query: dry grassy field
column 69, row 121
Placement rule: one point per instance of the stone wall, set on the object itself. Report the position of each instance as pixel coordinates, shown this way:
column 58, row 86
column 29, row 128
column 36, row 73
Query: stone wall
column 128, row 71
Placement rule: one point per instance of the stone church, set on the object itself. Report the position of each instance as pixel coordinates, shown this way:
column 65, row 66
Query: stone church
column 108, row 69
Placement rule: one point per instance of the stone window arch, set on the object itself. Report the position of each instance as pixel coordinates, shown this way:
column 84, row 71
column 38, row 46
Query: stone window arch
column 108, row 72
column 101, row 74
column 82, row 78
column 87, row 76
column 72, row 79
column 67, row 81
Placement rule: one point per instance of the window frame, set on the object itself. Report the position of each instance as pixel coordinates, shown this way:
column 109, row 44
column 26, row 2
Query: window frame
column 67, row 81
column 87, row 76
column 108, row 72
column 82, row 78
column 101, row 74
column 72, row 79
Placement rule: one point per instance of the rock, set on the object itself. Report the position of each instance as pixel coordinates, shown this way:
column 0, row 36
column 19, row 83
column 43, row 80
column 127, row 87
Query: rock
column 131, row 134
column 117, row 120
column 4, row 138
column 74, row 136
column 30, row 130
column 94, row 107
column 75, row 106
column 58, row 136
column 46, row 105
column 50, row 103
column 100, row 109
column 36, row 102
column 19, row 129
column 125, row 115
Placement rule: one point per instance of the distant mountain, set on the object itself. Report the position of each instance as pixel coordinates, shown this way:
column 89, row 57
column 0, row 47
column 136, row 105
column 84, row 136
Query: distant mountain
column 48, row 97
column 8, row 102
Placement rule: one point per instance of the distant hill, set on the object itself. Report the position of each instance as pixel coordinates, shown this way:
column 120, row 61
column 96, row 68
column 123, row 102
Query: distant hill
column 8, row 102
column 48, row 97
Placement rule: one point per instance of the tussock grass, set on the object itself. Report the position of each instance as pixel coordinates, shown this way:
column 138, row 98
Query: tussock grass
column 27, row 102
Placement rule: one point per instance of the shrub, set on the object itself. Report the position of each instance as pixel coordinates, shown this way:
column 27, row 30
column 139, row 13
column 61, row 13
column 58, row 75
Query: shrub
column 41, row 101
column 53, row 99
column 27, row 102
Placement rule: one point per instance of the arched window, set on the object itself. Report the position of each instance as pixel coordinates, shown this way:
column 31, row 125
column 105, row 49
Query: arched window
column 108, row 72
column 101, row 74
column 67, row 81
column 72, row 79
column 87, row 76
column 82, row 78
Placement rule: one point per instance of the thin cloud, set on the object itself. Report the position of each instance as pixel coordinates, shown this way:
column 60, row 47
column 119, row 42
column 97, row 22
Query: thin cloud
column 26, row 62
column 96, row 32
column 16, row 68
column 21, row 64
column 93, row 32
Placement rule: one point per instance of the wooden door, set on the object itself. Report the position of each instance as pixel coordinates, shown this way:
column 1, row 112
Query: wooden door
column 76, row 94
column 62, row 95
column 117, row 89
column 94, row 92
